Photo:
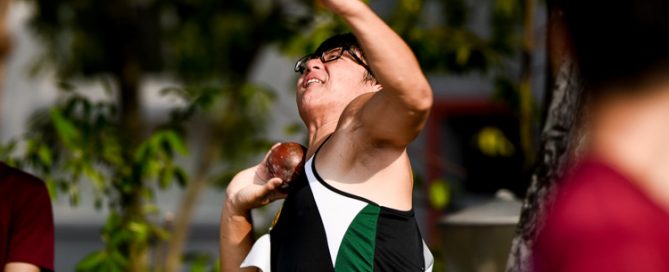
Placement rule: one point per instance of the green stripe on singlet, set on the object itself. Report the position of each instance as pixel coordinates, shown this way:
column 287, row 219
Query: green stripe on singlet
column 356, row 252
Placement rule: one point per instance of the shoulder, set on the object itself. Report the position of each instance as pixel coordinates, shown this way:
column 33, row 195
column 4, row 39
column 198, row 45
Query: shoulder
column 598, row 215
column 19, row 181
column 594, row 194
column 598, row 207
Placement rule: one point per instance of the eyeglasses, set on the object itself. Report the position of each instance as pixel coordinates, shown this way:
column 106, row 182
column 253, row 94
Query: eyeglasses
column 328, row 56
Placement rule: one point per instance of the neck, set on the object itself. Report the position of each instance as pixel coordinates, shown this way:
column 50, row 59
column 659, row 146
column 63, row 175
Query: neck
column 631, row 133
column 318, row 132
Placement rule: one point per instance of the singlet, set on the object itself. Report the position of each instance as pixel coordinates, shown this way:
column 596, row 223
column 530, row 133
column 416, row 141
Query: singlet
column 321, row 228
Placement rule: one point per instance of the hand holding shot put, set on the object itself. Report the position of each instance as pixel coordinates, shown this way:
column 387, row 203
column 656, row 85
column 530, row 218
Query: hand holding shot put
column 363, row 99
column 255, row 187
column 281, row 167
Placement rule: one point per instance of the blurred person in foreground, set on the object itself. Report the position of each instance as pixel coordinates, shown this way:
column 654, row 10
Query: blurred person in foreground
column 612, row 211
column 363, row 99
column 26, row 223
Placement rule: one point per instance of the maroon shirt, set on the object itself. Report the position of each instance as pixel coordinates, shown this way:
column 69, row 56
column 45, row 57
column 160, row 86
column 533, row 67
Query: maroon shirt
column 26, row 220
column 603, row 222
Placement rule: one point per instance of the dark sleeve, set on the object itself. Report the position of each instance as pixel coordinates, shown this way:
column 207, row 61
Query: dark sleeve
column 607, row 251
column 31, row 239
column 598, row 228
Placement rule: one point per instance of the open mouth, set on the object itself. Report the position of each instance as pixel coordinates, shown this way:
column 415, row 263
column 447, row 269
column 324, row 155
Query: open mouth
column 312, row 81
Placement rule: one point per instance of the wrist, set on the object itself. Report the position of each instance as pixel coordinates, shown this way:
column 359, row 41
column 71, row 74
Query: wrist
column 232, row 210
column 351, row 9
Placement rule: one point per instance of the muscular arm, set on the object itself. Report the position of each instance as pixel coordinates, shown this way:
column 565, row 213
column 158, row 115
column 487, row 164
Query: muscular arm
column 406, row 98
column 245, row 192
column 236, row 232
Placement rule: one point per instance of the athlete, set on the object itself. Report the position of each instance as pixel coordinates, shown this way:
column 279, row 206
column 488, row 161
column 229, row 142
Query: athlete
column 363, row 98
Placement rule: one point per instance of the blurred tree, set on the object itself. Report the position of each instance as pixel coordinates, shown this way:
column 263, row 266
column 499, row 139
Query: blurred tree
column 560, row 140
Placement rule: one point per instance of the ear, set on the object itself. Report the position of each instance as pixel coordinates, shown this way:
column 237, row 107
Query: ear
column 377, row 87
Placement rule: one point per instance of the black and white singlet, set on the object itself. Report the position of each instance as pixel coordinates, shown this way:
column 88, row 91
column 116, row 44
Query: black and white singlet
column 321, row 228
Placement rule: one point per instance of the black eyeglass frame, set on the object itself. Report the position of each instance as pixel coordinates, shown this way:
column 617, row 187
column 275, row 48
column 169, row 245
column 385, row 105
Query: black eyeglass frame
column 301, row 64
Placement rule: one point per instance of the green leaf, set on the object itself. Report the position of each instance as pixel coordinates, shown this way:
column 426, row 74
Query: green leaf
column 45, row 156
column 176, row 142
column 140, row 230
column 162, row 234
column 151, row 208
column 91, row 262
column 143, row 151
column 120, row 260
column 95, row 176
column 165, row 178
column 51, row 187
column 66, row 130
column 181, row 176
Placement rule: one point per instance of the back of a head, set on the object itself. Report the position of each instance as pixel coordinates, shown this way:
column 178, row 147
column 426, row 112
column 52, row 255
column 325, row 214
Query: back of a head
column 619, row 43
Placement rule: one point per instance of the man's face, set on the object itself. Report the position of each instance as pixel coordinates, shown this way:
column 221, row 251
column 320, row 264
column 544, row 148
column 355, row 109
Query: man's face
column 329, row 81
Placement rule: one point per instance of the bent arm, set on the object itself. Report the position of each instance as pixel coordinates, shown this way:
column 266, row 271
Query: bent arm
column 236, row 235
column 236, row 239
column 397, row 113
column 245, row 192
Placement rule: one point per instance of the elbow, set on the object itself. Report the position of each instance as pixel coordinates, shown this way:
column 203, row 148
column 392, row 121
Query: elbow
column 422, row 99
column 415, row 95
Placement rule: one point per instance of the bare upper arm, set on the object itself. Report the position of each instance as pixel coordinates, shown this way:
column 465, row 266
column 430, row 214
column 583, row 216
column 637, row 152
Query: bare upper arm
column 384, row 118
column 21, row 267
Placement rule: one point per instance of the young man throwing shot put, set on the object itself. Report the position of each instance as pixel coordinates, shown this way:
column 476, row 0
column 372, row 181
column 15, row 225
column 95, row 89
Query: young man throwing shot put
column 363, row 99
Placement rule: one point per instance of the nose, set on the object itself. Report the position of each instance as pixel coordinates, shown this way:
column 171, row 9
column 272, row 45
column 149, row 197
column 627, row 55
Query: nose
column 313, row 64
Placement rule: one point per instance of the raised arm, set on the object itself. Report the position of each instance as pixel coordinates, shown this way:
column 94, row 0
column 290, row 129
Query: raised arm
column 397, row 113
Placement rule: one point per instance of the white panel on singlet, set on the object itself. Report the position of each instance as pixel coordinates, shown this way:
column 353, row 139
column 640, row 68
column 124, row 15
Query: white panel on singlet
column 260, row 255
column 337, row 211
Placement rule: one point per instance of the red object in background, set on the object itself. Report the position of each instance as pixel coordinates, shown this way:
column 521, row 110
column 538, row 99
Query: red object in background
column 602, row 222
column 26, row 220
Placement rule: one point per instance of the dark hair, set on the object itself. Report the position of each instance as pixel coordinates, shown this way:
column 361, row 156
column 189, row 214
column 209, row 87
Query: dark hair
column 346, row 40
column 619, row 42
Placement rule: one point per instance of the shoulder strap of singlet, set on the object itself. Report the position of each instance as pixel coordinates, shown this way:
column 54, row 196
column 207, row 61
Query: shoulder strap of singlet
column 321, row 146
